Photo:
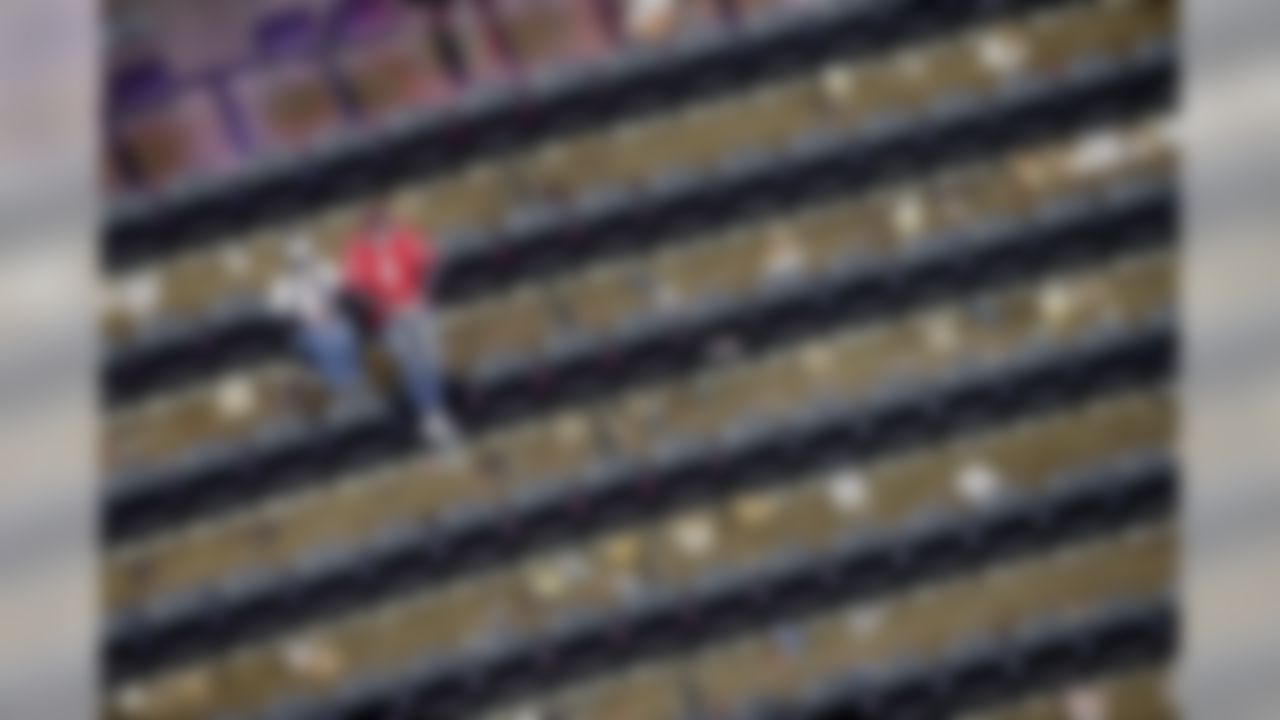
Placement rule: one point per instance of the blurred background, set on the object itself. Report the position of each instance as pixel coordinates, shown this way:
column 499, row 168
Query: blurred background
column 593, row 359
column 562, row 359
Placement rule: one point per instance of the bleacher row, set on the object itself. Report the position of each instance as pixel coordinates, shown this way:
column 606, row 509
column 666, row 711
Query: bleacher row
column 607, row 299
column 403, row 496
column 571, row 98
column 928, row 552
column 1132, row 494
column 254, row 605
column 1112, row 639
column 713, row 403
column 1135, row 218
column 821, row 165
column 544, row 237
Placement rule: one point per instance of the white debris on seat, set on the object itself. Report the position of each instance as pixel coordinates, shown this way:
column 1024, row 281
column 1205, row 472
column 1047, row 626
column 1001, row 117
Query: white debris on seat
column 849, row 491
column 236, row 397
column 1099, row 152
column 978, row 482
column 140, row 295
column 865, row 621
column 1001, row 53
column 908, row 215
column 694, row 534
column 839, row 82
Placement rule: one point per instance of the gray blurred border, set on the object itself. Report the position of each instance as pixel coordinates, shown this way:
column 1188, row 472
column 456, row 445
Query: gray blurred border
column 1231, row 428
column 47, row 152
column 1231, row 582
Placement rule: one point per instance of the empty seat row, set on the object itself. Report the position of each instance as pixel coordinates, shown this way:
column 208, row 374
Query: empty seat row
column 532, row 316
column 484, row 121
column 1038, row 382
column 694, row 137
column 680, row 552
column 1136, row 422
column 1065, row 233
column 538, row 455
column 1140, row 691
column 781, row 658
column 1023, row 112
column 981, row 673
column 937, row 548
column 354, row 63
column 748, row 675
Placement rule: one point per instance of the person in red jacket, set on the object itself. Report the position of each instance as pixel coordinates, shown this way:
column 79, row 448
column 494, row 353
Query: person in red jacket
column 389, row 267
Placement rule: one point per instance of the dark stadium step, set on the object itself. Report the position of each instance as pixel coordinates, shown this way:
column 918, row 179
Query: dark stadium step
column 1039, row 380
column 493, row 120
column 1061, row 235
column 1046, row 655
column 678, row 205
column 1089, row 504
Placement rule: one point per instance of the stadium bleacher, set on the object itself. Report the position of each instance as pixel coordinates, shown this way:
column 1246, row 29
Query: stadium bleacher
column 814, row 360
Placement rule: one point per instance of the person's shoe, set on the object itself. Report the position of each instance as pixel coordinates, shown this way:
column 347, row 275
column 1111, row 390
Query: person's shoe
column 438, row 429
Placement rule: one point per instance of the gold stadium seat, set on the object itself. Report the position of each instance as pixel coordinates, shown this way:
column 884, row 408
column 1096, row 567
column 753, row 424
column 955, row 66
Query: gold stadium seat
column 170, row 142
column 395, row 74
column 927, row 621
column 473, row 331
column 496, row 600
column 516, row 322
column 846, row 365
column 823, row 233
column 1132, row 694
column 793, row 657
column 650, row 692
column 645, row 22
column 227, row 409
column 704, row 132
column 543, row 450
column 477, row 196
column 596, row 300
column 552, row 32
column 285, row 531
column 533, row 593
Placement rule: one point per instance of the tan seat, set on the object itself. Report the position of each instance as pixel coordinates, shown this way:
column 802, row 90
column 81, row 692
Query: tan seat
column 675, row 551
column 480, row 195
column 227, row 410
column 1132, row 694
column 395, row 74
column 290, row 107
column 849, row 364
column 517, row 322
column 644, row 693
column 597, row 300
column 841, row 370
column 657, row 23
column 927, row 622
column 178, row 139
column 276, row 535
column 729, row 673
column 545, row 450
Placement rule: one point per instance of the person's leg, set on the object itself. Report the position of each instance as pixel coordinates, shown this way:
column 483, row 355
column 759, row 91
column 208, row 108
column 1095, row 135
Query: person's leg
column 412, row 342
column 335, row 355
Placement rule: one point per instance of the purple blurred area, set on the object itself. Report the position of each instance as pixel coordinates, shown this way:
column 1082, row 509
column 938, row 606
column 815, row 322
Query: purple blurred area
column 196, row 88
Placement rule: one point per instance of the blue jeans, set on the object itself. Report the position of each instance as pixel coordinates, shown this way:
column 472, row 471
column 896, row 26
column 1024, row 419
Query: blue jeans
column 333, row 352
column 410, row 336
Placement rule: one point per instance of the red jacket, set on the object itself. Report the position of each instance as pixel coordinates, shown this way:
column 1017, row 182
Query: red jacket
column 390, row 275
